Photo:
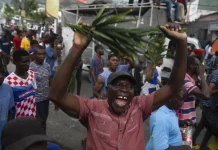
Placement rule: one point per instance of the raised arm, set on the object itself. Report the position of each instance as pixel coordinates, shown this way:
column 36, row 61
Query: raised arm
column 57, row 93
column 179, row 69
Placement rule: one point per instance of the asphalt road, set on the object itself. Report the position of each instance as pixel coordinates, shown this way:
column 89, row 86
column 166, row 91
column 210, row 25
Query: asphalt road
column 68, row 132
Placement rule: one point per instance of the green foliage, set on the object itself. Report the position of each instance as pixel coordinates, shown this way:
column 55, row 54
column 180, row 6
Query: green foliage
column 29, row 6
column 128, row 41
column 9, row 12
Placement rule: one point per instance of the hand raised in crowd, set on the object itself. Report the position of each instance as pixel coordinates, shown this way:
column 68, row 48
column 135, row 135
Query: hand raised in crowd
column 200, row 69
column 172, row 31
column 81, row 41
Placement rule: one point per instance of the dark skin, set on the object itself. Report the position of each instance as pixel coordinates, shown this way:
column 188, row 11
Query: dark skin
column 99, row 53
column 113, row 63
column 10, row 114
column 39, row 56
column 22, row 67
column 70, row 103
column 197, row 69
column 175, row 103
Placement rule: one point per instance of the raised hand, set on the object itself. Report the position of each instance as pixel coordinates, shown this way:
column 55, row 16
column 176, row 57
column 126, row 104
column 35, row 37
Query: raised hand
column 171, row 31
column 81, row 41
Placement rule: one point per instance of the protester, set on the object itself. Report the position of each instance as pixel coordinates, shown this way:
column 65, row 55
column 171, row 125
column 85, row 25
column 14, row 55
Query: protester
column 194, row 68
column 216, row 60
column 169, row 4
column 52, row 53
column 118, row 121
column 23, row 84
column 152, row 83
column 17, row 40
column 6, row 48
column 26, row 133
column 164, row 125
column 113, row 62
column 97, row 64
column 6, row 102
column 41, row 70
column 207, row 107
column 25, row 43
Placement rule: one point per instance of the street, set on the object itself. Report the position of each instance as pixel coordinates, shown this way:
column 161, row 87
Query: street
column 69, row 133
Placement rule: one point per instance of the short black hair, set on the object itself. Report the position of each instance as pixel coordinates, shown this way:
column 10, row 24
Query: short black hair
column 33, row 42
column 216, row 53
column 38, row 47
column 19, row 53
column 190, row 61
column 98, row 46
column 2, row 70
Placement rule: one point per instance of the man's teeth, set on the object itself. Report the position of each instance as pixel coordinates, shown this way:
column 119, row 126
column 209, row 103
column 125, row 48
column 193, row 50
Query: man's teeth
column 122, row 97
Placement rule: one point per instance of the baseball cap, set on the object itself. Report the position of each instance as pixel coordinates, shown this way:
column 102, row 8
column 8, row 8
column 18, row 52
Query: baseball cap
column 22, row 132
column 120, row 74
column 111, row 54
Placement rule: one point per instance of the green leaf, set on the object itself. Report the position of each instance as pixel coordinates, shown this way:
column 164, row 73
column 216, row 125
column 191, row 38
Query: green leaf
column 102, row 35
column 100, row 13
column 117, row 17
column 103, row 16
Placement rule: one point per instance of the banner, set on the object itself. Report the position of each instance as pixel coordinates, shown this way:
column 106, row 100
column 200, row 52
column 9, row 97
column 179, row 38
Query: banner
column 52, row 8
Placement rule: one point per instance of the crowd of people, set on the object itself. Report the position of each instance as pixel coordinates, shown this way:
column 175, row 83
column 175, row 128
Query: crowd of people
column 115, row 113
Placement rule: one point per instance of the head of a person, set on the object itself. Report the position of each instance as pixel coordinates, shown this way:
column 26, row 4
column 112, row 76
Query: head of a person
column 113, row 60
column 2, row 74
column 24, row 33
column 120, row 91
column 21, row 60
column 52, row 40
column 33, row 43
column 177, row 99
column 39, row 54
column 199, row 54
column 216, row 53
column 24, row 133
column 192, row 64
column 99, row 49
column 29, row 34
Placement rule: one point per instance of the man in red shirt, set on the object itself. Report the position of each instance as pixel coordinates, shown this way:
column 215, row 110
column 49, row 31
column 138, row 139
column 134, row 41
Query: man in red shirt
column 116, row 123
column 17, row 40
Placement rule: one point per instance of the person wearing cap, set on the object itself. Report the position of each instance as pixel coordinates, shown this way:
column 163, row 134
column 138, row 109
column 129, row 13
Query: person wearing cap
column 116, row 123
column 113, row 62
column 26, row 133
column 6, row 101
column 97, row 64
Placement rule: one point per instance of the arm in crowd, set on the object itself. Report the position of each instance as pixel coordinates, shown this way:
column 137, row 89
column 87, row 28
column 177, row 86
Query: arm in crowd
column 204, row 92
column 130, row 61
column 57, row 93
column 176, row 79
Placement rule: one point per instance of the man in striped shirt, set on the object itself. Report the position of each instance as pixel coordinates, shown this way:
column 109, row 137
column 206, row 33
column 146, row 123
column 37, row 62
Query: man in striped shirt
column 194, row 68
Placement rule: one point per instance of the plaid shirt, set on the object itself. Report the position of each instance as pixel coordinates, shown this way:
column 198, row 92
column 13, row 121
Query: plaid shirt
column 42, row 80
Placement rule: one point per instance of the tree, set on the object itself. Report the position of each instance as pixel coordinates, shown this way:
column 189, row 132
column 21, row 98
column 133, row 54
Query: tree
column 40, row 17
column 29, row 6
column 8, row 12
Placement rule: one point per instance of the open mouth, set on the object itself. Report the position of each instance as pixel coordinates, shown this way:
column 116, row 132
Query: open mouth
column 121, row 101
